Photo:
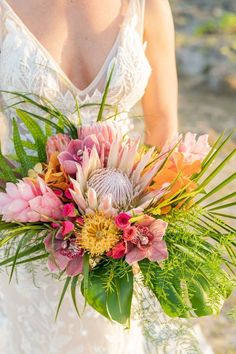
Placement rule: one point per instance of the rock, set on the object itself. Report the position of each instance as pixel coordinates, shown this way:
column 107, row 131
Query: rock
column 191, row 61
column 207, row 59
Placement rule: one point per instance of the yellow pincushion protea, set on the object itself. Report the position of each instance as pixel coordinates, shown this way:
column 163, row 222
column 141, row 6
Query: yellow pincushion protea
column 99, row 234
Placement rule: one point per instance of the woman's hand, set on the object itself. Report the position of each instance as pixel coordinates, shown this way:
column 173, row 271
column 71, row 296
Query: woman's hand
column 160, row 98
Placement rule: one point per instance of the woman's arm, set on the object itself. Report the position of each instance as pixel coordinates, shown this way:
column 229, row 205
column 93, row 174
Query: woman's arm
column 160, row 98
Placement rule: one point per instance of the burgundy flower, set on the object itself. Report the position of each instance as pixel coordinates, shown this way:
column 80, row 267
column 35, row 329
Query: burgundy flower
column 69, row 210
column 118, row 251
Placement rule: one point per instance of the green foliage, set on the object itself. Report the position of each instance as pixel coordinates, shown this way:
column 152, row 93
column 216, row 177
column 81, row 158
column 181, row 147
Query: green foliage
column 66, row 285
column 225, row 24
column 104, row 97
column 22, row 156
column 6, row 172
column 36, row 132
column 21, row 243
column 50, row 115
column 191, row 282
column 110, row 290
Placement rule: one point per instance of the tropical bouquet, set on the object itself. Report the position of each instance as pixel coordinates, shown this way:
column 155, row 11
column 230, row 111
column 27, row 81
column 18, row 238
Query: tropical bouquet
column 99, row 206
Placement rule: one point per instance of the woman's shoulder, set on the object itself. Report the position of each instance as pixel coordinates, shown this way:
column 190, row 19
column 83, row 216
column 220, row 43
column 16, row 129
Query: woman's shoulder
column 158, row 17
column 156, row 8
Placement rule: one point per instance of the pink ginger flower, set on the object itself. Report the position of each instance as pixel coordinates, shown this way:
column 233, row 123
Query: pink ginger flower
column 147, row 241
column 57, row 143
column 194, row 148
column 29, row 202
column 122, row 220
column 64, row 254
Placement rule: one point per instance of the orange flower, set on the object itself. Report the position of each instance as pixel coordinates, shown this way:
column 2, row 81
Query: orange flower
column 178, row 173
column 55, row 176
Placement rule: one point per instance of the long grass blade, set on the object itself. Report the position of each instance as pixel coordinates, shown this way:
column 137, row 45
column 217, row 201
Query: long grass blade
column 73, row 293
column 217, row 170
column 67, row 282
column 208, row 162
column 218, row 188
column 104, row 97
column 229, row 216
column 221, row 200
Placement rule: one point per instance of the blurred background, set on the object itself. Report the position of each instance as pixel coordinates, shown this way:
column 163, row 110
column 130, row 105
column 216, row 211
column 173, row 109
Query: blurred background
column 206, row 58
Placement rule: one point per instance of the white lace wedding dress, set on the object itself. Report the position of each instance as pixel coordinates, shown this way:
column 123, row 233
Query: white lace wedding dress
column 26, row 309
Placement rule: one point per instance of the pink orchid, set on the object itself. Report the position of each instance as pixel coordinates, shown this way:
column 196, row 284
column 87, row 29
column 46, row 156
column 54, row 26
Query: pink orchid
column 118, row 251
column 30, row 202
column 194, row 148
column 73, row 155
column 122, row 220
column 57, row 143
column 148, row 242
column 64, row 255
column 130, row 233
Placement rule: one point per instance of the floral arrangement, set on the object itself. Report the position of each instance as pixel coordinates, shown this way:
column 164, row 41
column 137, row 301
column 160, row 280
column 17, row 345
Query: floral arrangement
column 96, row 204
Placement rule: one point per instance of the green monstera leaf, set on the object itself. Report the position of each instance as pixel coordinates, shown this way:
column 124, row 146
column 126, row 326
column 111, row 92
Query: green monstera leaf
column 109, row 292
column 187, row 293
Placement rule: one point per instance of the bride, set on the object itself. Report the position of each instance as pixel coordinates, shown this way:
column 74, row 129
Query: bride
column 62, row 50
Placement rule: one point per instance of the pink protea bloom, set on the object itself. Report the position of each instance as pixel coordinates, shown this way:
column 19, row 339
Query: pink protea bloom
column 104, row 131
column 148, row 241
column 30, row 202
column 194, row 148
column 64, row 254
column 122, row 220
column 57, row 143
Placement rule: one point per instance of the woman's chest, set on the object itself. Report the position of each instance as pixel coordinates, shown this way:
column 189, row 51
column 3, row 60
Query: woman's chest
column 78, row 35
column 26, row 65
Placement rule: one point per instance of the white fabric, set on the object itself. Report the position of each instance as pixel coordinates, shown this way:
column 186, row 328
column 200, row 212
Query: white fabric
column 29, row 323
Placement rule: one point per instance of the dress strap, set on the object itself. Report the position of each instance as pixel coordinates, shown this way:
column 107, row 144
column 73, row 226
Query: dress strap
column 142, row 15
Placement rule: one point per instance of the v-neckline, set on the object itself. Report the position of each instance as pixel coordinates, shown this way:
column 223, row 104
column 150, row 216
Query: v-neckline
column 58, row 68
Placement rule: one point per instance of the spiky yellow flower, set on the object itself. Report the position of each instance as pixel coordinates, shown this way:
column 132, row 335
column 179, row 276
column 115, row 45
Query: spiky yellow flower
column 99, row 234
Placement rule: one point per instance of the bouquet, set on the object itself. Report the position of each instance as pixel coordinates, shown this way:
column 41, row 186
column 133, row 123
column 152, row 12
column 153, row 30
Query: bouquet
column 95, row 205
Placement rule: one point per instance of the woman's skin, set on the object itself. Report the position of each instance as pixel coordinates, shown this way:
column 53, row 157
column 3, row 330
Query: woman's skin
column 79, row 34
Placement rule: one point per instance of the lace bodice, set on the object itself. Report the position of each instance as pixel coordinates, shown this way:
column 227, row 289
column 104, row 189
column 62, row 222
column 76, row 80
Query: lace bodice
column 26, row 66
